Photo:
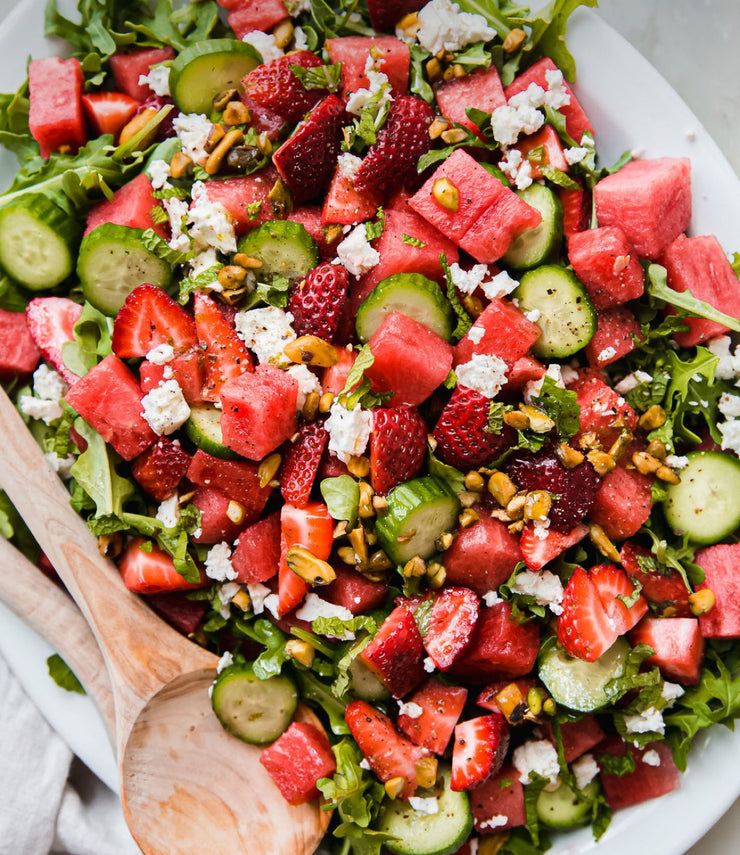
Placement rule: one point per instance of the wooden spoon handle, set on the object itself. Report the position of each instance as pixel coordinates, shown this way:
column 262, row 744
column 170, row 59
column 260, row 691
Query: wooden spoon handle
column 50, row 612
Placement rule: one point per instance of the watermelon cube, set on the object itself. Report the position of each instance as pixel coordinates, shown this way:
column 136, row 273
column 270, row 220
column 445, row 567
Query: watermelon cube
column 678, row 646
column 578, row 736
column 646, row 782
column 720, row 566
column 617, row 334
column 650, row 200
column 238, row 479
column 546, row 138
column 623, row 503
column 345, row 205
column 109, row 398
column 506, row 333
column 700, row 265
column 607, row 265
column 353, row 51
column 334, row 378
column 526, row 368
column 183, row 614
column 410, row 360
column 602, row 409
column 441, row 708
column 259, row 411
column 496, row 229
column 297, row 759
column 161, row 467
column 245, row 16
column 257, row 554
column 131, row 206
column 500, row 796
column 18, row 352
column 216, row 525
column 482, row 556
column 481, row 89
column 127, row 67
column 55, row 118
column 396, row 652
column 187, row 368
column 354, row 592
column 241, row 196
column 663, row 587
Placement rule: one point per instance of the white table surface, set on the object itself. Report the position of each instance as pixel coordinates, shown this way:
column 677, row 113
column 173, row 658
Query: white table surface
column 680, row 37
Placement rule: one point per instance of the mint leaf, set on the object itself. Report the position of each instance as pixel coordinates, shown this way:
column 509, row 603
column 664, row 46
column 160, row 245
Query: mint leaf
column 158, row 246
column 496, row 412
column 454, row 478
column 375, row 230
column 202, row 282
column 412, row 241
column 342, row 497
column 418, row 83
column 561, row 405
column 613, row 764
column 338, row 628
column 63, row 675
column 319, row 77
column 464, row 321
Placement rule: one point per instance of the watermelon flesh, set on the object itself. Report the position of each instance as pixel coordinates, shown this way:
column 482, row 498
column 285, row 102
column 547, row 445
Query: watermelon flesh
column 499, row 226
column 130, row 206
column 245, row 16
column 607, row 265
column 129, row 66
column 238, row 194
column 499, row 796
column 215, row 523
column 507, row 334
column 238, row 479
column 600, row 407
column 663, row 588
column 578, row 736
column 18, row 352
column 678, row 646
column 623, row 503
column 297, row 759
column 345, row 205
column 617, row 334
column 56, row 118
column 720, row 565
column 353, row 51
column 482, row 89
column 187, row 368
column 646, row 782
column 257, row 553
column 354, row 592
column 547, row 138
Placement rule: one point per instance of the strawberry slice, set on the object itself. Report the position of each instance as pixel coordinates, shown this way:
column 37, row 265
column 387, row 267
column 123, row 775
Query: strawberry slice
column 226, row 355
column 662, row 586
column 584, row 628
column 301, row 463
column 389, row 754
column 398, row 444
column 306, row 160
column 316, row 303
column 385, row 14
column 402, row 140
column 161, row 468
column 441, row 708
column 538, row 551
column 480, row 748
column 311, row 527
column 148, row 318
column 576, row 210
column 151, row 572
column 395, row 654
column 278, row 89
column 452, row 621
column 51, row 322
column 612, row 583
column 108, row 112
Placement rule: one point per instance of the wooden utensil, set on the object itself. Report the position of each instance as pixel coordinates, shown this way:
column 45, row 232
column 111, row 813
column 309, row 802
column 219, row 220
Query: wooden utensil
column 187, row 786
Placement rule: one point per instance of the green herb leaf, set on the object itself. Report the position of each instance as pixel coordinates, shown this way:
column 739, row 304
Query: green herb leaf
column 657, row 288
column 92, row 341
column 13, row 527
column 342, row 497
column 341, row 629
column 496, row 412
column 363, row 361
column 531, row 794
column 320, row 76
column 63, row 675
column 412, row 241
column 474, row 56
column 561, row 405
column 451, row 476
column 375, row 230
column 94, row 471
column 159, row 247
column 317, row 692
column 464, row 321
column 613, row 764
column 418, row 83
column 202, row 282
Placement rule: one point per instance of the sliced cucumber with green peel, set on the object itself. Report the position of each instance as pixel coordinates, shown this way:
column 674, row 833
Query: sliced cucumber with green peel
column 412, row 295
column 439, row 833
column 419, row 511
column 256, row 711
column 204, row 429
column 567, row 317
column 705, row 505
column 37, row 241
column 542, row 243
column 204, row 69
column 577, row 684
column 364, row 683
column 564, row 807
column 112, row 262
column 285, row 249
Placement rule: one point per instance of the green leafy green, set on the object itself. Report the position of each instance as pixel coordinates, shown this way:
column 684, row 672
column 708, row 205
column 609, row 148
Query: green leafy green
column 338, row 18
column 657, row 288
column 339, row 628
column 158, row 246
column 95, row 471
column 412, row 241
column 272, row 293
column 454, row 478
column 464, row 321
column 357, row 388
column 677, row 557
column 561, row 405
column 320, row 76
column 92, row 341
column 270, row 662
column 14, row 528
column 342, row 497
column 63, row 675
column 633, row 677
column 613, row 764
column 202, row 282
column 317, row 692
column 375, row 229
column 496, row 412
column 15, row 134
column 418, row 83
column 474, row 56
column 188, row 25
column 531, row 794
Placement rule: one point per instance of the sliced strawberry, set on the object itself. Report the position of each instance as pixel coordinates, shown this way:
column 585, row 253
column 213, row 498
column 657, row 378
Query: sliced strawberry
column 51, row 322
column 538, row 551
column 148, row 318
column 612, row 583
column 183, row 614
column 662, row 586
column 108, row 112
column 514, row 690
column 480, row 748
column 226, row 355
column 385, row 14
column 462, row 435
column 306, row 160
column 441, row 707
column 317, row 301
column 451, row 624
column 398, row 444
column 151, row 571
column 395, row 654
column 389, row 754
column 584, row 628
column 276, row 87
column 161, row 468
column 301, row 463
column 311, row 527
column 264, row 120
column 576, row 210
column 400, row 143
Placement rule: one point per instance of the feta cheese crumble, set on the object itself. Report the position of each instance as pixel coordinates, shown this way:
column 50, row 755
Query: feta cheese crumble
column 445, row 27
column 177, row 211
column 575, row 154
column 508, row 123
column 533, row 388
column 258, row 593
column 492, row 598
column 38, row 408
column 209, row 222
column 424, row 807
column 494, row 822
column 429, row 665
column 647, row 721
column 556, row 95
column 538, row 756
column 632, row 381
column 218, row 564
column 61, row 465
column 410, row 709
column 356, row 253
column 349, row 431
column 475, row 334
column 671, row 692
column 264, row 44
column 168, row 512
column 48, row 384
column 501, row 285
column 158, row 172
column 158, row 80
column 517, row 169
column 606, row 354
column 165, row 408
column 300, row 40
column 651, row 758
column 483, row 373
column 729, row 405
column 192, row 130
column 226, row 661
column 729, row 363
column 544, row 586
column 584, row 769
column 378, row 91
column 730, row 435
column 266, row 332
column 676, row 461
column 161, row 354
column 314, row 607
column 466, row 281
column 307, row 382
column 348, row 165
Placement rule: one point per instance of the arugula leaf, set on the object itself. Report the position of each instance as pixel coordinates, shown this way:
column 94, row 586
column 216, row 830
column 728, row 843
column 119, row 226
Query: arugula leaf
column 92, row 341
column 679, row 558
column 519, row 843
column 94, row 471
column 15, row 134
column 464, row 321
column 418, row 83
column 454, row 478
column 342, row 497
column 340, row 18
column 561, row 405
column 319, row 77
column 270, row 662
column 657, row 288
column 470, row 140
column 63, row 675
column 314, row 690
column 13, row 527
column 191, row 24
column 474, row 56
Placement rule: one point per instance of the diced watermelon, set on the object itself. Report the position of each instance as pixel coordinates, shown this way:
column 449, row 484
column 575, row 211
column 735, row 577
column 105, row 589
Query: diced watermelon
column 237, row 478
column 607, row 265
column 617, row 334
column 245, row 16
column 546, row 138
column 576, row 120
column 602, row 409
column 187, row 368
column 161, row 467
column 215, row 523
column 482, row 556
column 678, row 646
column 499, row 796
column 720, row 565
column 481, row 89
column 311, row 527
column 650, row 200
column 257, row 554
column 309, row 216
column 441, row 708
column 297, row 759
column 354, row 592
column 526, row 368
column 396, row 652
column 385, row 14
column 241, row 195
column 259, row 411
column 496, row 229
column 488, row 698
column 623, row 503
column 345, row 205
column 184, row 614
column 129, row 66
column 410, row 360
column 663, row 588
column 109, row 398
column 538, row 551
column 353, row 51
column 19, row 355
column 131, row 206
column 646, row 782
column 578, row 736
column 700, row 265
column 55, row 116
column 506, row 334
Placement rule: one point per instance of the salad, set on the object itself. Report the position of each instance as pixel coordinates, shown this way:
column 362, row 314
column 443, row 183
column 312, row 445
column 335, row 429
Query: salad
column 373, row 380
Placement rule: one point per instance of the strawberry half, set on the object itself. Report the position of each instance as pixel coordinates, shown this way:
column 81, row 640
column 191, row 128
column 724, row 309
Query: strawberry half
column 108, row 112
column 612, row 582
column 480, row 748
column 51, row 322
column 452, row 621
column 148, row 318
column 316, row 303
column 441, row 708
column 395, row 654
column 161, row 468
column 398, row 444
column 276, row 87
column 538, row 551
column 584, row 628
column 402, row 140
column 301, row 463
column 310, row 527
column 226, row 355
column 385, row 14
column 151, row 572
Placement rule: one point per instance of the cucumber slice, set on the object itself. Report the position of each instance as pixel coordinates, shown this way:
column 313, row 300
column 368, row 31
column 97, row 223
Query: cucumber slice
column 564, row 808
column 419, row 511
column 411, row 294
column 204, row 69
column 112, row 262
column 364, row 683
column 37, row 242
column 204, row 429
column 542, row 243
column 429, row 834
column 285, row 249
column 256, row 711
column 567, row 316
column 706, row 503
column 577, row 684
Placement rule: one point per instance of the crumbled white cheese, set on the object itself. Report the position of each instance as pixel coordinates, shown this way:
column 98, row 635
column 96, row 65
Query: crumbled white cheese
column 272, row 604
column 508, row 123
column 533, row 388
column 584, row 769
column 161, row 354
column 517, row 169
column 676, row 461
column 729, row 364
column 192, row 130
column 48, row 384
column 424, row 807
column 533, row 315
column 177, row 211
column 158, row 80
column 265, row 44
column 475, row 334
column 540, row 529
column 606, row 354
column 266, row 332
column 632, row 381
column 532, row 96
column 445, row 27
column 539, row 756
column 159, row 173
column 647, row 721
column 429, row 665
column 671, row 692
column 258, row 593
column 296, row 7
column 165, row 407
column 483, row 373
column 349, row 431
column 307, row 382
column 466, row 281
column 500, row 286
column 314, row 607
column 410, row 709
column 226, row 661
column 300, row 40
column 730, row 435
column 493, row 822
column 209, row 223
column 651, row 758
column 365, row 765
column 356, row 253
column 202, row 261
column 544, row 586
column 729, row 405
column 61, row 465
column 575, row 154
column 379, row 91
column 168, row 512
column 348, row 165
column 218, row 564
column 38, row 408
column 492, row 598
column 556, row 95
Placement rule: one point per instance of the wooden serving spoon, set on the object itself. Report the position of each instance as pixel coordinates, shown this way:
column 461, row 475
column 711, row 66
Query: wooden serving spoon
column 186, row 785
